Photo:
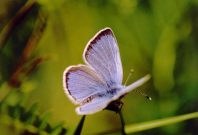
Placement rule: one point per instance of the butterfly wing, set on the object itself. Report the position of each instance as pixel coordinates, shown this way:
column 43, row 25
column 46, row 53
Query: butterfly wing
column 98, row 104
column 102, row 53
column 81, row 82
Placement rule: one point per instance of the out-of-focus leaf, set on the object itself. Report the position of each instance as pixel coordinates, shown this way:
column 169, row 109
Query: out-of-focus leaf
column 18, row 41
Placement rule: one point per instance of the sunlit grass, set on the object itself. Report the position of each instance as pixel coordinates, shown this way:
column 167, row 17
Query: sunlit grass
column 158, row 123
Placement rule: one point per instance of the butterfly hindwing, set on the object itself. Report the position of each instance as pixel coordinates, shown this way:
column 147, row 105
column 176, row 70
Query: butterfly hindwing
column 98, row 104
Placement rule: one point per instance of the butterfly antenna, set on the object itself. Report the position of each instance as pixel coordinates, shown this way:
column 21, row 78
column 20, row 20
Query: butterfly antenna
column 143, row 94
column 130, row 73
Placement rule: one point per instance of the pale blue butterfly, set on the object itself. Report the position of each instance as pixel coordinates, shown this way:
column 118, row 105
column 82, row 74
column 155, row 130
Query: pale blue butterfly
column 98, row 83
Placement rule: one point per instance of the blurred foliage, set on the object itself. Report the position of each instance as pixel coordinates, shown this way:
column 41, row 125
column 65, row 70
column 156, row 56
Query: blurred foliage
column 18, row 119
column 18, row 39
column 39, row 39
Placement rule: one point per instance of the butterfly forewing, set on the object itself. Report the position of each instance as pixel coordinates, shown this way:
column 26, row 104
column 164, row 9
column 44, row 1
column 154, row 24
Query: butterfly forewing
column 81, row 82
column 102, row 53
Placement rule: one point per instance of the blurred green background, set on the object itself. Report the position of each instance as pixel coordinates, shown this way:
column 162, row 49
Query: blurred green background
column 39, row 39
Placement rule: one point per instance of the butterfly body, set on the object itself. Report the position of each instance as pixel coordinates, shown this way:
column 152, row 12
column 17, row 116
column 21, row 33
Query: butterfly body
column 105, row 94
column 97, row 84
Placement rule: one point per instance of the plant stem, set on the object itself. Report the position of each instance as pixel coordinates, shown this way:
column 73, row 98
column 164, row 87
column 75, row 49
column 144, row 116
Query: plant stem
column 80, row 126
column 158, row 123
column 122, row 123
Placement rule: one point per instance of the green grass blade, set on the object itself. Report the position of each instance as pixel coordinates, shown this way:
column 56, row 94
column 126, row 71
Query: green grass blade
column 158, row 123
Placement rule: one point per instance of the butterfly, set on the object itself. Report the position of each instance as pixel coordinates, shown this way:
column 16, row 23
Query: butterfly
column 96, row 84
